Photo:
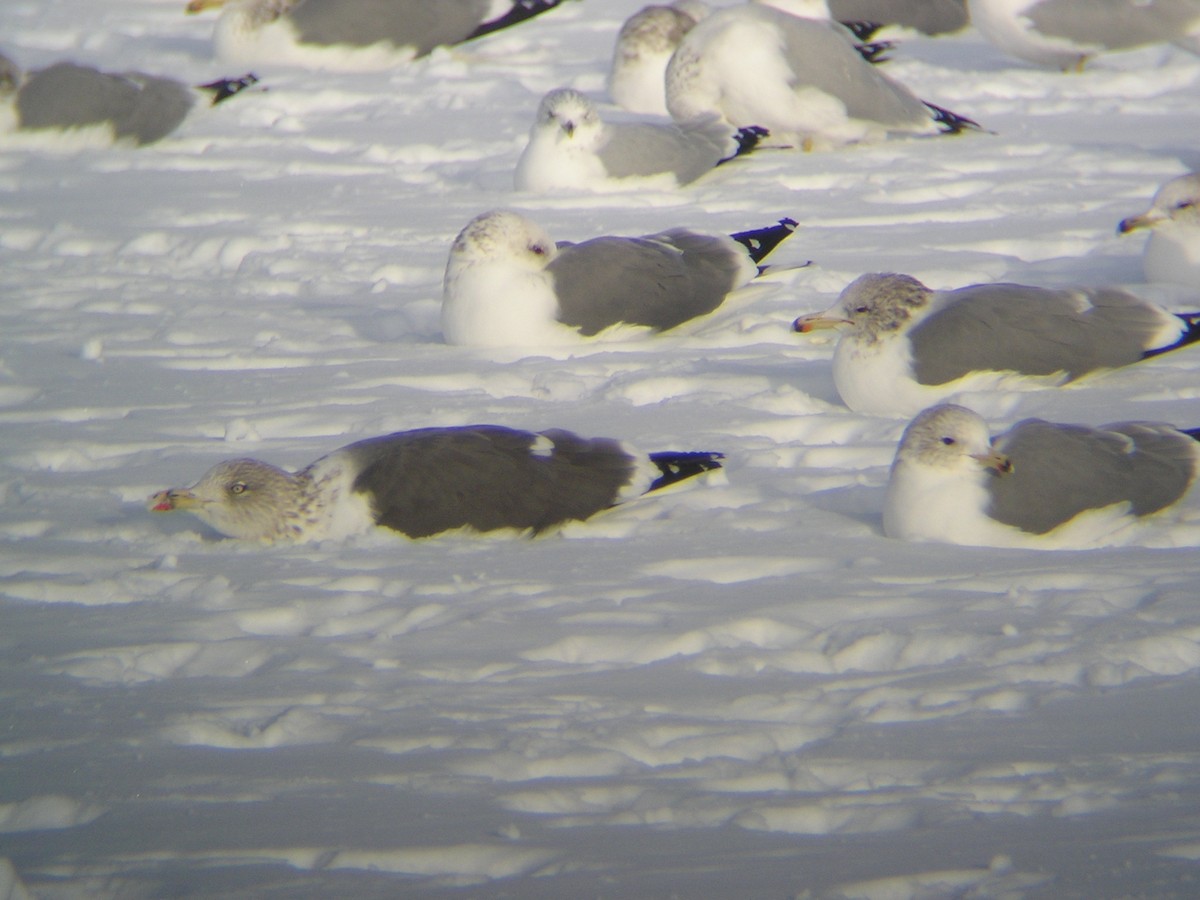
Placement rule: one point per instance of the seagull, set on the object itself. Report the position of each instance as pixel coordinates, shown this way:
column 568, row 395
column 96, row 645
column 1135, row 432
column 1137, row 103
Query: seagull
column 649, row 37
column 1040, row 484
column 353, row 34
column 1173, row 252
column 1065, row 34
column 508, row 284
column 571, row 146
column 800, row 78
column 644, row 45
column 127, row 107
column 905, row 346
column 428, row 481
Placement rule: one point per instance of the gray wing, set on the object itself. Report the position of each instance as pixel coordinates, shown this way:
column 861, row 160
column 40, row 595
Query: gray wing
column 139, row 106
column 486, row 477
column 1114, row 23
column 658, row 281
column 822, row 55
column 421, row 24
column 1032, row 331
column 1059, row 471
column 929, row 16
column 643, row 148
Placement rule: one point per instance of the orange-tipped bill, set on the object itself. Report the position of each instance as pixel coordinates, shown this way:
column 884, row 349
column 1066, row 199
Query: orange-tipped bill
column 172, row 499
column 994, row 460
column 818, row 322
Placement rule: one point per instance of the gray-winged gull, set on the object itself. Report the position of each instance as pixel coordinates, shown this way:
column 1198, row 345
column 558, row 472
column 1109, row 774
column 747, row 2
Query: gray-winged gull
column 928, row 16
column 1172, row 253
column 126, row 106
column 1065, row 34
column 508, row 284
column 800, row 78
column 431, row 480
column 904, row 346
column 1040, row 484
column 571, row 146
column 650, row 36
column 354, row 34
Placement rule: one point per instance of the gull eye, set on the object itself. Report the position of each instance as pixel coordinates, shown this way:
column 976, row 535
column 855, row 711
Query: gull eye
column 537, row 250
column 1185, row 204
column 949, row 441
column 238, row 487
column 861, row 310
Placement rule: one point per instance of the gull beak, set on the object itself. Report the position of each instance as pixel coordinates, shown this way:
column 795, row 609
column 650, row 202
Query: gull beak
column 818, row 322
column 196, row 6
column 1133, row 223
column 569, row 127
column 172, row 499
column 994, row 460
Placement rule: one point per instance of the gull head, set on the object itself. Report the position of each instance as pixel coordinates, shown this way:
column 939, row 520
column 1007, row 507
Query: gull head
column 872, row 307
column 242, row 498
column 951, row 437
column 1176, row 201
column 502, row 236
column 570, row 117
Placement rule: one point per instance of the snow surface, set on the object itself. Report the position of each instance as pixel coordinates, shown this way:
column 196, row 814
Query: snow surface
column 740, row 688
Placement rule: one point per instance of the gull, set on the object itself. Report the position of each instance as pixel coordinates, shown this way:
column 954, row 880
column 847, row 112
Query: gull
column 508, row 284
column 904, row 346
column 571, row 146
column 353, row 34
column 800, row 78
column 644, row 45
column 1038, row 485
column 430, row 480
column 1172, row 253
column 1065, row 34
column 126, row 107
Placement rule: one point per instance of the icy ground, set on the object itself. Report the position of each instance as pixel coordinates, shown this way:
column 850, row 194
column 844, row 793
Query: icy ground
column 738, row 689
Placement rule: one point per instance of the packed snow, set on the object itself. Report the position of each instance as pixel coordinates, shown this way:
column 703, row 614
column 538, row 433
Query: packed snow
column 736, row 688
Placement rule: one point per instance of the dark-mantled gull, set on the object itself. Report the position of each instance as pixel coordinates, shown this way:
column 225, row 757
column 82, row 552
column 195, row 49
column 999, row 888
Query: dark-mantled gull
column 800, row 78
column 571, row 146
column 431, row 480
column 354, row 33
column 1065, row 34
column 1172, row 253
column 904, row 346
column 129, row 107
column 508, row 284
column 1040, row 484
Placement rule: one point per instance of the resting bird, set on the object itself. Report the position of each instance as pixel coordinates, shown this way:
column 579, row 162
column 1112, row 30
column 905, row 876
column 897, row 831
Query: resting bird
column 1039, row 484
column 904, row 346
column 130, row 107
column 571, row 146
column 1065, row 34
column 353, row 34
column 424, row 482
column 508, row 284
column 800, row 78
column 1172, row 253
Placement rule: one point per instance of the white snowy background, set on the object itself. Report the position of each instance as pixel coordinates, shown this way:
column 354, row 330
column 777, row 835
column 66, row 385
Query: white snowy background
column 737, row 689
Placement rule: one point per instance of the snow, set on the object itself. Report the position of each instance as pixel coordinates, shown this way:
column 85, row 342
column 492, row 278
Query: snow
column 739, row 687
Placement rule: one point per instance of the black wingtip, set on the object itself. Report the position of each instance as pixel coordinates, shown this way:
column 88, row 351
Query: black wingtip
column 875, row 52
column 1193, row 433
column 224, row 88
column 747, row 139
column 521, row 11
column 760, row 242
column 678, row 466
column 1190, row 335
column 952, row 122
